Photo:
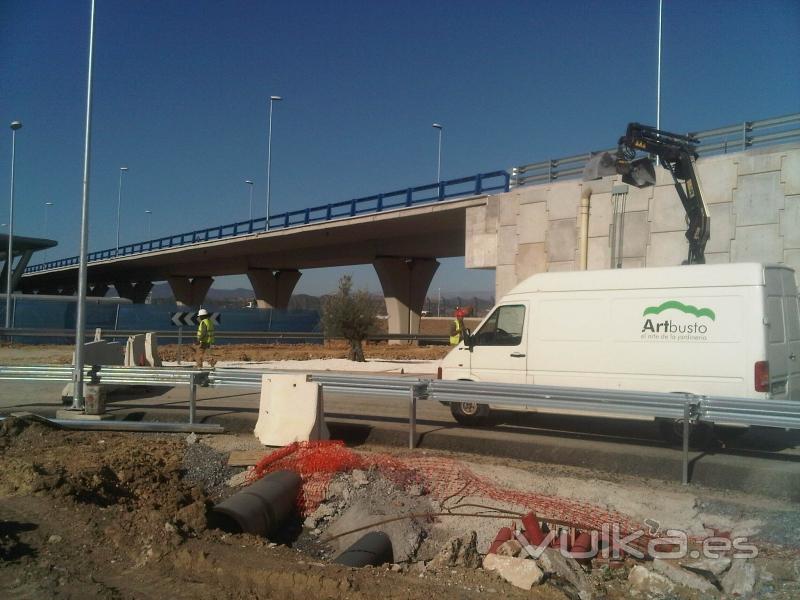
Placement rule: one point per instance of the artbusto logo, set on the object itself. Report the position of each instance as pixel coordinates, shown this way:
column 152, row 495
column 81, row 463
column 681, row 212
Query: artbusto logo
column 690, row 324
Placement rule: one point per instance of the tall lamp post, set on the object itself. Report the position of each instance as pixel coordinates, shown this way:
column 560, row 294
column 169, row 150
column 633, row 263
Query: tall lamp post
column 78, row 402
column 250, row 185
column 149, row 214
column 272, row 101
column 10, row 257
column 439, row 154
column 47, row 206
column 119, row 201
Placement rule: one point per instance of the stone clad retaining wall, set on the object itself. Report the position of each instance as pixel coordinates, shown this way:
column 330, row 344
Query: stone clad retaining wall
column 753, row 198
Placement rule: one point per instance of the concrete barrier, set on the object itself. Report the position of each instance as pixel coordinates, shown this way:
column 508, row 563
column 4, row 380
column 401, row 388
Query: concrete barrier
column 135, row 351
column 151, row 350
column 290, row 410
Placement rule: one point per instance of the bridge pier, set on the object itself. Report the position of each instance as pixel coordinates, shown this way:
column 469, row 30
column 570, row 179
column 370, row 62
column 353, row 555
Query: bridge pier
column 273, row 288
column 405, row 283
column 189, row 292
column 97, row 290
column 135, row 291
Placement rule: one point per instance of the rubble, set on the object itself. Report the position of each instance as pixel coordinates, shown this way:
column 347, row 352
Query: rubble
column 458, row 552
column 683, row 577
column 709, row 566
column 740, row 580
column 519, row 572
column 510, row 548
column 645, row 580
column 567, row 568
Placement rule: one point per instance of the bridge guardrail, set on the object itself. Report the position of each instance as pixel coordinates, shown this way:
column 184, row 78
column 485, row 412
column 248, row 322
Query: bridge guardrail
column 376, row 203
column 733, row 138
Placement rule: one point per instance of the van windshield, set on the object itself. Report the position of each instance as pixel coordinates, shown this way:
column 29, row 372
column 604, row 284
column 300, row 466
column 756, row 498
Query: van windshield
column 502, row 328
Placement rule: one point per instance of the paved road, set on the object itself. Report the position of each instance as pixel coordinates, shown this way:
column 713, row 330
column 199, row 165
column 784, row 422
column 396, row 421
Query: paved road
column 764, row 461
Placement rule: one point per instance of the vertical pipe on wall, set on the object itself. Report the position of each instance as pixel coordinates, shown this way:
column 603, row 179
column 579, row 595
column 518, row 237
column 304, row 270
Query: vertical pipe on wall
column 583, row 238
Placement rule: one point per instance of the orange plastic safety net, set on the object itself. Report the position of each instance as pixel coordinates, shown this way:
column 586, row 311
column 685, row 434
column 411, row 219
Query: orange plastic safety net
column 441, row 478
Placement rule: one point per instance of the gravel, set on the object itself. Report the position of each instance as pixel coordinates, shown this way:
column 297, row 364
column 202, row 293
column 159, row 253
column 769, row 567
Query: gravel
column 207, row 467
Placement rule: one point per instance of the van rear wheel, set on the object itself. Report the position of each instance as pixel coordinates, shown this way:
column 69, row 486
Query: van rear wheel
column 470, row 413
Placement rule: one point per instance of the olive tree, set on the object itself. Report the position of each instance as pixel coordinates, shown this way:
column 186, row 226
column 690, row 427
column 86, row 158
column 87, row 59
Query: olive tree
column 352, row 315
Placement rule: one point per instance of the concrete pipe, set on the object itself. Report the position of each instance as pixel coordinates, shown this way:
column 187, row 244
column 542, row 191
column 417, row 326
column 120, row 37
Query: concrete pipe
column 373, row 548
column 261, row 507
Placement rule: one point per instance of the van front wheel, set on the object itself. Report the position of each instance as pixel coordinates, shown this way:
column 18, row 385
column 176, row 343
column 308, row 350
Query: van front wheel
column 470, row 413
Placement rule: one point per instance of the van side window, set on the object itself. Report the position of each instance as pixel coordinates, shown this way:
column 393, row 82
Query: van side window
column 502, row 328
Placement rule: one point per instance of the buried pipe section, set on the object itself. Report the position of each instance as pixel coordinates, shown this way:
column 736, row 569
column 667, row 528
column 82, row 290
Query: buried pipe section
column 373, row 548
column 262, row 506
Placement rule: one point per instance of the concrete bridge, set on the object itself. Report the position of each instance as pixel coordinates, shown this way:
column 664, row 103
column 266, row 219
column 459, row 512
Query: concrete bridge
column 753, row 198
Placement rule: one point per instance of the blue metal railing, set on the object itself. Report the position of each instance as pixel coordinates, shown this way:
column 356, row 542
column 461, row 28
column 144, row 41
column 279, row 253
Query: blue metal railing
column 734, row 138
column 432, row 192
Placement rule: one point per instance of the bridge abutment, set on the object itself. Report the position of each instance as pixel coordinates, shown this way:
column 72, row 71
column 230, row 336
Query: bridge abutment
column 273, row 289
column 189, row 291
column 135, row 291
column 405, row 283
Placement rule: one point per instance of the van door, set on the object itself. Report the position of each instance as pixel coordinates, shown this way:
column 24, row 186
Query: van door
column 791, row 318
column 777, row 342
column 499, row 346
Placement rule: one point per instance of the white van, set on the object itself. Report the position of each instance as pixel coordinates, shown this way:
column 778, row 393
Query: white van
column 725, row 330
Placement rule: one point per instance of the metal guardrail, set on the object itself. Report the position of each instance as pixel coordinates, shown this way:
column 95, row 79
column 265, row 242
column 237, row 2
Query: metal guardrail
column 114, row 376
column 474, row 185
column 252, row 336
column 733, row 138
column 685, row 408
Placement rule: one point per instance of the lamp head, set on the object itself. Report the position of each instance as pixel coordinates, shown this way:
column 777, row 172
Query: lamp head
column 15, row 125
column 123, row 168
column 275, row 98
column 437, row 126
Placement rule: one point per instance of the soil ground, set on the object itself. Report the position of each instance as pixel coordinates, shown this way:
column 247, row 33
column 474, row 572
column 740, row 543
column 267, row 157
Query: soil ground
column 118, row 515
column 113, row 515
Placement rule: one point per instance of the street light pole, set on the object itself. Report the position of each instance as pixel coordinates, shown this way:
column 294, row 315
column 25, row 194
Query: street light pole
column 250, row 184
column 80, row 317
column 10, row 257
column 272, row 100
column 119, row 201
column 149, row 214
column 439, row 154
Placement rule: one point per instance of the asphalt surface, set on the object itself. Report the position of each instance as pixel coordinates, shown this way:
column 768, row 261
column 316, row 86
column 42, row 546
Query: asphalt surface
column 763, row 461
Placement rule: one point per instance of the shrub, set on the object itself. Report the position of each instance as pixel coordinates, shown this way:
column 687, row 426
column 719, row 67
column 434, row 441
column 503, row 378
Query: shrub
column 352, row 315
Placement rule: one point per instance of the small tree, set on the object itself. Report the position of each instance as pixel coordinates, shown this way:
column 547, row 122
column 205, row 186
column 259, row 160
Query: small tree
column 351, row 315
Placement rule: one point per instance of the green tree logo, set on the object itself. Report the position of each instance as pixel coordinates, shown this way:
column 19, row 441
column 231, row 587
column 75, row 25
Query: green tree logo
column 685, row 308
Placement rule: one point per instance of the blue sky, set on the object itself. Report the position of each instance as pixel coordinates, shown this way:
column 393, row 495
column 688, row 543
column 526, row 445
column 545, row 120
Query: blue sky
column 181, row 93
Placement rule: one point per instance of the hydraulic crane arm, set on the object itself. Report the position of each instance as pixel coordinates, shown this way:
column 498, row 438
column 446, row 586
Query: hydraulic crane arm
column 677, row 154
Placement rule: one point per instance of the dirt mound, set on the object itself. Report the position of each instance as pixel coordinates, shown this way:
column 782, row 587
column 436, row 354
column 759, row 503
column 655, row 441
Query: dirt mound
column 334, row 349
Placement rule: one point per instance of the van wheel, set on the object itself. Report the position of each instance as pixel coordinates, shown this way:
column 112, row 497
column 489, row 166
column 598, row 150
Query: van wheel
column 470, row 413
column 700, row 434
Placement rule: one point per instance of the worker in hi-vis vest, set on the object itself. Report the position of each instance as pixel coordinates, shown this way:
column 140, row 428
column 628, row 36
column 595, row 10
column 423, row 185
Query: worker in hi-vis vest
column 205, row 337
column 457, row 327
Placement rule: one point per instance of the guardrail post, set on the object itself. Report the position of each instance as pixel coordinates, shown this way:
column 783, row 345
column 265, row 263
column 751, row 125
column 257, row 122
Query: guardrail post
column 441, row 190
column 478, row 184
column 192, row 398
column 686, row 424
column 409, row 193
column 412, row 418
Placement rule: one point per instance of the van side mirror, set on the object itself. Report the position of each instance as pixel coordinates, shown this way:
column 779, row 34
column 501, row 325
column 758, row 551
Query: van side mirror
column 468, row 341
